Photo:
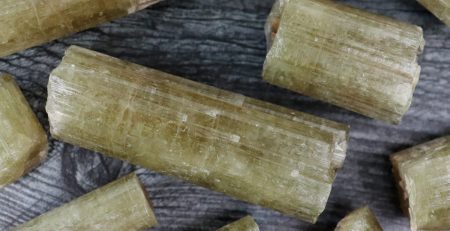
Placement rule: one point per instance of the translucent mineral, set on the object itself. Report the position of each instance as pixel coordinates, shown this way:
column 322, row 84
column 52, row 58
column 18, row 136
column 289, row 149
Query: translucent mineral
column 361, row 219
column 255, row 151
column 26, row 23
column 423, row 176
column 119, row 206
column 440, row 8
column 348, row 57
column 23, row 142
column 245, row 224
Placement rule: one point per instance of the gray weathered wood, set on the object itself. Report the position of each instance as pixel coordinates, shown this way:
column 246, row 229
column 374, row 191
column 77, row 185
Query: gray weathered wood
column 221, row 43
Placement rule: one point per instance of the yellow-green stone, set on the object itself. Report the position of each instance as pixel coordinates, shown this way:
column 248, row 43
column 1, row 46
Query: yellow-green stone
column 119, row 206
column 423, row 176
column 348, row 57
column 23, row 142
column 245, row 224
column 440, row 8
column 255, row 151
column 27, row 23
column 361, row 219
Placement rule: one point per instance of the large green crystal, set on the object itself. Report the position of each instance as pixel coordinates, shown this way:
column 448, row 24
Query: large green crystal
column 23, row 142
column 361, row 219
column 440, row 8
column 345, row 56
column 252, row 150
column 245, row 224
column 27, row 23
column 423, row 175
column 119, row 206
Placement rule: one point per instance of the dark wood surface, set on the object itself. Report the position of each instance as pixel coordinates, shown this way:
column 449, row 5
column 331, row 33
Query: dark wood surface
column 221, row 43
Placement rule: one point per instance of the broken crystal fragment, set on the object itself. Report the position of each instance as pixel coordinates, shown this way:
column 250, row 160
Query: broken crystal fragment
column 423, row 177
column 255, row 151
column 440, row 8
column 120, row 205
column 23, row 142
column 25, row 23
column 348, row 57
column 361, row 219
column 245, row 224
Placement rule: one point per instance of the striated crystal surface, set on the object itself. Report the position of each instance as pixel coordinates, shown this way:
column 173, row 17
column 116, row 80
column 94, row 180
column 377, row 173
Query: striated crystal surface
column 440, row 8
column 361, row 219
column 423, row 176
column 344, row 56
column 26, row 23
column 245, row 148
column 23, row 142
column 118, row 206
column 245, row 224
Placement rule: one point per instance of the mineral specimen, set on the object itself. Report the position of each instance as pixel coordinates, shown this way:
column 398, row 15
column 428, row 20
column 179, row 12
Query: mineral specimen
column 359, row 220
column 25, row 23
column 245, row 224
column 345, row 56
column 423, row 176
column 440, row 8
column 252, row 150
column 118, row 206
column 23, row 142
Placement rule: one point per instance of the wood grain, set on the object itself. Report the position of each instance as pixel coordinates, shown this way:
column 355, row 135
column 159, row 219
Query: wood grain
column 221, row 43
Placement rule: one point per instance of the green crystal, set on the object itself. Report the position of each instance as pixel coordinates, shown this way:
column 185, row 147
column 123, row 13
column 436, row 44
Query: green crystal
column 440, row 8
column 23, row 142
column 119, row 206
column 26, row 23
column 344, row 56
column 361, row 219
column 245, row 224
column 255, row 151
column 423, row 176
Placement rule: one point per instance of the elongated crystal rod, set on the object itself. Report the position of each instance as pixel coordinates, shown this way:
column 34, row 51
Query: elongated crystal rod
column 26, row 23
column 361, row 219
column 423, row 177
column 245, row 224
column 252, row 150
column 118, row 206
column 344, row 56
column 23, row 142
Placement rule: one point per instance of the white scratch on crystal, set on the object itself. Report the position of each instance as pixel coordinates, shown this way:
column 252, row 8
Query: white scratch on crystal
column 36, row 13
column 295, row 173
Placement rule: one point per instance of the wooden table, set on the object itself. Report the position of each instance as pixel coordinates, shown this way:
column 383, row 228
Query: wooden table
column 221, row 43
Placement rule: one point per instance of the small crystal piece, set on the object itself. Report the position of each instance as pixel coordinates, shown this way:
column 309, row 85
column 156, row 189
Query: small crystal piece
column 23, row 142
column 119, row 206
column 344, row 56
column 245, row 224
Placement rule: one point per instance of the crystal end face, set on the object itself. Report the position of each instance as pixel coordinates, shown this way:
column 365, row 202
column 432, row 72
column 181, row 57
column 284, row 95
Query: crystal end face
column 423, row 177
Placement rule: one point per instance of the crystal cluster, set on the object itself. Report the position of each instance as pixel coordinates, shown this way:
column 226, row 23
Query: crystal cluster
column 252, row 150
column 348, row 57
column 26, row 23
column 423, row 176
column 119, row 206
column 23, row 142
column 361, row 219
column 245, row 224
